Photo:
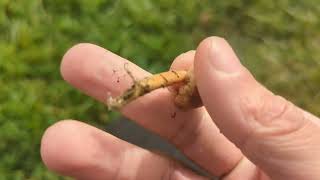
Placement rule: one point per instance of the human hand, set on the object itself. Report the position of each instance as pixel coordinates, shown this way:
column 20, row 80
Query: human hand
column 242, row 132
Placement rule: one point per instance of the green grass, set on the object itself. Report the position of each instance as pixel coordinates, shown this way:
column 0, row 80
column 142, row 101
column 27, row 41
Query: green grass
column 277, row 40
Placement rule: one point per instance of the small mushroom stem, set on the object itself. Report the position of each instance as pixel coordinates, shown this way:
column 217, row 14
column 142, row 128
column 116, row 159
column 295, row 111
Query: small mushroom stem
column 161, row 80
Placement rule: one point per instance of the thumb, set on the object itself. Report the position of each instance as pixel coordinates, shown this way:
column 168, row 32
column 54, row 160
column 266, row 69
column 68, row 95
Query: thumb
column 277, row 136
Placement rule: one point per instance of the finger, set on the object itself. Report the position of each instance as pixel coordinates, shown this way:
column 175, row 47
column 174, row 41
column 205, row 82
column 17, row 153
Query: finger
column 185, row 62
column 273, row 133
column 81, row 151
column 97, row 72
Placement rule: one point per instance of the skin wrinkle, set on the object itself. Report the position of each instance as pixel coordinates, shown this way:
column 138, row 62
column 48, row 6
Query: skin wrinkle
column 267, row 117
column 119, row 170
column 242, row 75
column 100, row 155
column 285, row 141
column 130, row 157
column 251, row 110
column 226, row 174
column 245, row 136
column 170, row 170
column 259, row 150
column 271, row 115
column 102, row 144
column 256, row 133
column 258, row 109
column 252, row 172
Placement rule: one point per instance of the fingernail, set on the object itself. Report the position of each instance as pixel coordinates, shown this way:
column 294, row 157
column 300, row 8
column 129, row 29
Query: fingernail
column 222, row 57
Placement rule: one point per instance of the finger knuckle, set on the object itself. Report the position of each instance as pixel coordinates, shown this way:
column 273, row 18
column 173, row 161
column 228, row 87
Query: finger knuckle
column 271, row 115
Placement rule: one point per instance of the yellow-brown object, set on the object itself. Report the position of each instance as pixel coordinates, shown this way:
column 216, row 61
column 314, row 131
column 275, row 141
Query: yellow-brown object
column 148, row 84
column 183, row 99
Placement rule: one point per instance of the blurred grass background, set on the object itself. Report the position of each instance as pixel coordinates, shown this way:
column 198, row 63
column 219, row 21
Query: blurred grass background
column 278, row 40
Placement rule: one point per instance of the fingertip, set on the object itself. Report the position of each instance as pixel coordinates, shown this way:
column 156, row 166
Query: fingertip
column 97, row 72
column 68, row 146
column 51, row 143
column 184, row 61
column 76, row 61
column 207, row 43
column 214, row 43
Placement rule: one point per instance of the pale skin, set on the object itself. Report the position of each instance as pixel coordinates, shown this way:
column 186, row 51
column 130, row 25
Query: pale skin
column 243, row 131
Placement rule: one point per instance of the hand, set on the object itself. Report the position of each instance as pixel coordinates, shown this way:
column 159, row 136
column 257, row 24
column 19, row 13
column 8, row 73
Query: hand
column 242, row 132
